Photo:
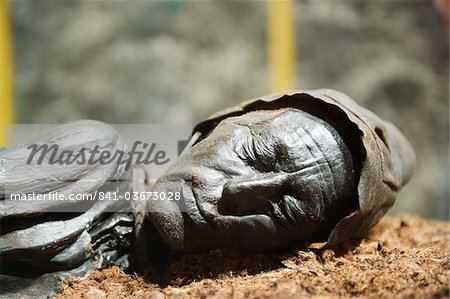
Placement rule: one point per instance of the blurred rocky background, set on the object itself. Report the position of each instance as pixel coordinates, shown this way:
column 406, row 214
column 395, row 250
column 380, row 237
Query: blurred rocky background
column 179, row 61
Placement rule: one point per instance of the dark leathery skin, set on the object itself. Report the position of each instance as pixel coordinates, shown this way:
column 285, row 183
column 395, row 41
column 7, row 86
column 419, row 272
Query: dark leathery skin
column 243, row 189
column 300, row 166
column 34, row 238
column 284, row 174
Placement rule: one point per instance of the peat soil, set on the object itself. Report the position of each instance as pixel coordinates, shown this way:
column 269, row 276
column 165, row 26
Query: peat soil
column 402, row 257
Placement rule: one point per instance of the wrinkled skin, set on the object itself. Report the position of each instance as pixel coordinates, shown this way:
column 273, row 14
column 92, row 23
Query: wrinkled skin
column 246, row 181
column 257, row 182
column 281, row 169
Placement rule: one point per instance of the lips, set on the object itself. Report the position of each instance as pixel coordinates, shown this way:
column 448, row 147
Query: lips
column 190, row 200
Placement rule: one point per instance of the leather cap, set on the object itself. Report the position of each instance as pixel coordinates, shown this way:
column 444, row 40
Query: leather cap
column 383, row 158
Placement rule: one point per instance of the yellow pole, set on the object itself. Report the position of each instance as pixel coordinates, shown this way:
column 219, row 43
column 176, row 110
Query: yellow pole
column 281, row 44
column 6, row 73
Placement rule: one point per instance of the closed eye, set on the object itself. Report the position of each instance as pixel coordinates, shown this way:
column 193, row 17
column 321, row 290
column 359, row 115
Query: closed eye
column 264, row 154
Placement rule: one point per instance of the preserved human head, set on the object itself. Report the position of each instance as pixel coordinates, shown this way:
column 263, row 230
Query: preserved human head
column 287, row 169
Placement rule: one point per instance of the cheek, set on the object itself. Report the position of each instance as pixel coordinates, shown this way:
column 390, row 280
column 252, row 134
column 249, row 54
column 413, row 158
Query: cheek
column 208, row 182
column 208, row 185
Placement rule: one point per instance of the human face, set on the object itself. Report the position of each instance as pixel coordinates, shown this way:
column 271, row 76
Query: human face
column 257, row 182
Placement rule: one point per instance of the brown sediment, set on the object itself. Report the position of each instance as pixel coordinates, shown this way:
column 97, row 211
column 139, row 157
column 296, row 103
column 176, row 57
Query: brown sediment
column 403, row 256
